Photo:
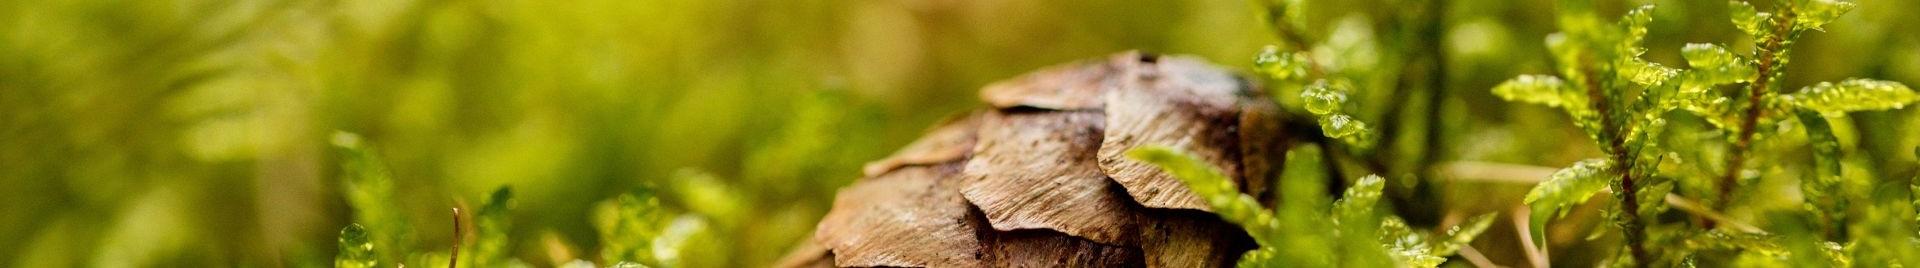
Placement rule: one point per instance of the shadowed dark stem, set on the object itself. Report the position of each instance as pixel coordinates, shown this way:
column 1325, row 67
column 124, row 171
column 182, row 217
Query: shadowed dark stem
column 1610, row 129
column 1767, row 56
column 454, row 259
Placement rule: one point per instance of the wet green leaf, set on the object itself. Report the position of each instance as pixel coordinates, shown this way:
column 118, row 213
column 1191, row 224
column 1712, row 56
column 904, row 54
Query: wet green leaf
column 1459, row 235
column 1342, row 126
column 1812, row 14
column 1724, row 239
column 1213, row 186
column 1540, row 89
column 1304, row 235
column 1635, row 26
column 628, row 225
column 1358, row 202
column 1748, row 19
column 491, row 240
column 1323, row 98
column 1407, row 246
column 1646, row 73
column 1852, row 95
column 1281, row 66
column 1713, row 65
column 356, row 249
column 368, row 186
column 1572, row 185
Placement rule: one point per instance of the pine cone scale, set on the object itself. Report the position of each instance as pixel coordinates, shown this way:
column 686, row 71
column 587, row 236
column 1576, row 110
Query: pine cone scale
column 1041, row 178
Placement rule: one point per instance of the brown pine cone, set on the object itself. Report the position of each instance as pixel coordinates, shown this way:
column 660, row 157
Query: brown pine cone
column 1041, row 178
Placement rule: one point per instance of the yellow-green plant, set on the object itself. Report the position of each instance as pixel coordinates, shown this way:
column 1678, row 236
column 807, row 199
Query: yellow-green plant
column 1623, row 103
column 1296, row 233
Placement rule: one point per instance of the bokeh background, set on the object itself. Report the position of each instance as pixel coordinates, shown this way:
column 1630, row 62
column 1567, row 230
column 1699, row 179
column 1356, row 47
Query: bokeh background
column 196, row 132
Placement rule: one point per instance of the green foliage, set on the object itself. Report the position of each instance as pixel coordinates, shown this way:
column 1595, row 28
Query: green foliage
column 491, row 243
column 628, row 225
column 356, row 250
column 1364, row 236
column 195, row 133
column 1566, row 188
column 1542, row 89
column 369, row 189
column 1627, row 102
column 1852, row 95
column 1219, row 191
column 1713, row 65
column 1571, row 186
column 1325, row 100
column 635, row 229
column 1282, row 66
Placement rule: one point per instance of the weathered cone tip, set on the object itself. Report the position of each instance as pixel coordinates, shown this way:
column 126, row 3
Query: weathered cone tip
column 1041, row 178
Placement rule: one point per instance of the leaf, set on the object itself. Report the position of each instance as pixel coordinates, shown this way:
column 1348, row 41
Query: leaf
column 1826, row 147
column 1749, row 19
column 1539, row 89
column 1723, row 239
column 1635, row 25
column 368, row 186
column 1852, row 95
column 1341, row 126
column 1304, row 236
column 1459, row 235
column 1215, row 187
column 679, row 238
column 490, row 245
column 1260, row 258
column 1281, row 66
column 1358, row 202
column 627, row 226
column 1323, row 98
column 1572, row 185
column 1407, row 246
column 1565, row 188
column 1646, row 73
column 1713, row 65
column 356, row 249
column 1822, row 189
column 1811, row 14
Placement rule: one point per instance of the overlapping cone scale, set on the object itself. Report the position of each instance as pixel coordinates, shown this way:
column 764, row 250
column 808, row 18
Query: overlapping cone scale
column 1040, row 179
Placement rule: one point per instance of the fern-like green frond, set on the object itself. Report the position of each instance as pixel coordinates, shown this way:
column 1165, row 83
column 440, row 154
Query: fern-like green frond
column 1214, row 186
column 490, row 245
column 1852, row 95
column 368, row 185
column 628, row 225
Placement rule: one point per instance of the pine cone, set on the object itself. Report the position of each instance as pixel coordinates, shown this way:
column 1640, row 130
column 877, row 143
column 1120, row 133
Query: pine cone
column 1041, row 178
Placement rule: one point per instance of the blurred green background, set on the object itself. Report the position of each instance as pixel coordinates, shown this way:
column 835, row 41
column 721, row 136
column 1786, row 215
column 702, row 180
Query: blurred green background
column 196, row 132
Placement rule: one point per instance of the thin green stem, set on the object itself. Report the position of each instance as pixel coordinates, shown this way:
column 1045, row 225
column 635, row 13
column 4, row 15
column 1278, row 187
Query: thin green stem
column 1769, row 68
column 1611, row 133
